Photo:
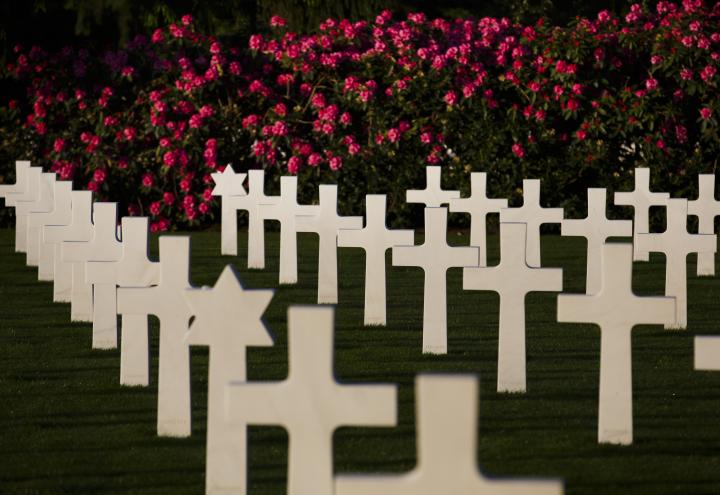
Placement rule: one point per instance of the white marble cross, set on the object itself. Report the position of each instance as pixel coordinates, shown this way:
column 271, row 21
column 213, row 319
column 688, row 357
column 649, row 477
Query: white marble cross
column 706, row 208
column 478, row 205
column 228, row 319
column 433, row 195
column 22, row 203
column 435, row 257
column 616, row 310
column 11, row 191
column 69, row 277
column 228, row 184
column 43, row 204
column 512, row 279
column 104, row 246
column 285, row 209
column 676, row 243
column 707, row 352
column 60, row 214
column 326, row 224
column 641, row 199
column 446, row 411
column 375, row 238
column 310, row 404
column 534, row 215
column 256, row 226
column 596, row 228
column 133, row 269
column 166, row 301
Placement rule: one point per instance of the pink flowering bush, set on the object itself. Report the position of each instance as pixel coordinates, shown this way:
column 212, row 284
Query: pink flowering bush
column 369, row 104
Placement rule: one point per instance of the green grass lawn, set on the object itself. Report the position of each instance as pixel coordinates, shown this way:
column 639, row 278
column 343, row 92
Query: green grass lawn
column 67, row 426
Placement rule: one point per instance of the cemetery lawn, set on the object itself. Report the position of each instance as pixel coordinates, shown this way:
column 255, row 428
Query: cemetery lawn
column 68, row 427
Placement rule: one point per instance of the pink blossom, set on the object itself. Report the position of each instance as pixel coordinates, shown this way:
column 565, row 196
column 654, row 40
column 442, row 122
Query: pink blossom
column 59, row 145
column 450, row 98
column 277, row 21
column 155, row 208
column 651, row 83
column 129, row 133
column 518, row 150
column 706, row 113
column 335, row 163
column 157, row 36
column 186, row 20
column 168, row 198
column 314, row 159
column 204, row 208
column 393, row 135
column 99, row 175
column 169, row 158
column 148, row 180
column 353, row 148
column 294, row 164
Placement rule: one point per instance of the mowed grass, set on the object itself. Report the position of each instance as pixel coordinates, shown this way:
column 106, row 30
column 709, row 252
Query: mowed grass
column 68, row 427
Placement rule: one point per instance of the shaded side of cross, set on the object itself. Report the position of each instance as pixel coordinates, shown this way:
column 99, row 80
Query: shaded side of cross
column 227, row 320
column 676, row 243
column 478, row 205
column 167, row 303
column 326, row 224
column 60, row 214
column 447, row 424
column 375, row 238
column 435, row 257
column 616, row 310
column 256, row 228
column 43, row 204
column 12, row 191
column 433, row 195
column 641, row 199
column 534, row 215
column 512, row 279
column 596, row 228
column 310, row 404
column 21, row 202
column 706, row 208
column 285, row 210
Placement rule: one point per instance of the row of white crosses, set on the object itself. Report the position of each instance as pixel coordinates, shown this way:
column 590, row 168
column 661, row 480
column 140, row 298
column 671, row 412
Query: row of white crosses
column 310, row 404
column 520, row 261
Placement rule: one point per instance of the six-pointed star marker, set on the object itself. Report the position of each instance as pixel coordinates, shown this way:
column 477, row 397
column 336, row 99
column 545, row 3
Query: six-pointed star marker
column 228, row 183
column 220, row 311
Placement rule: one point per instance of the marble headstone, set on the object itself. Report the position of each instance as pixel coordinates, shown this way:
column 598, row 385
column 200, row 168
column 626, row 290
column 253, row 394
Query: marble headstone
column 326, row 224
column 228, row 320
column 433, row 195
column 375, row 238
column 310, row 404
column 446, row 414
column 43, row 205
column 534, row 215
column 23, row 203
column 228, row 184
column 706, row 208
column 616, row 310
column 676, row 243
column 61, row 214
column 512, row 279
column 435, row 257
column 641, row 199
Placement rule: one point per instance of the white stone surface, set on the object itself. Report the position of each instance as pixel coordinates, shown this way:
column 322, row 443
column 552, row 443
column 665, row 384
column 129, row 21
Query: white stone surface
column 69, row 277
column 22, row 203
column 616, row 310
column 446, row 411
column 227, row 185
column 11, row 191
column 641, row 199
column 375, row 238
column 256, row 225
column 285, row 210
column 707, row 352
column 596, row 228
column 706, row 208
column 104, row 246
column 435, row 257
column 228, row 319
column 534, row 215
column 43, row 206
column 166, row 301
column 310, row 404
column 676, row 243
column 60, row 214
column 512, row 279
column 478, row 205
column 326, row 224
column 433, row 195
column 133, row 269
